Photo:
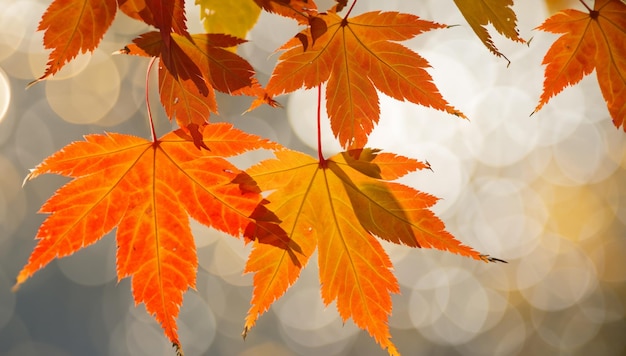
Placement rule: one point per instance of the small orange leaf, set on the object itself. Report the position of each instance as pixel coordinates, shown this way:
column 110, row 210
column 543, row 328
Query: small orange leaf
column 72, row 27
column 339, row 206
column 593, row 40
column 149, row 190
column 356, row 57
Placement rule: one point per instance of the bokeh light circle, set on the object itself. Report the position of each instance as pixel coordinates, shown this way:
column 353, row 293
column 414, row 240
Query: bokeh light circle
column 226, row 258
column 12, row 200
column 197, row 324
column 5, row 95
column 267, row 36
column 12, row 27
column 92, row 266
column 146, row 339
column 301, row 111
column 7, row 301
column 500, row 135
column 537, row 263
column 304, row 310
column 461, row 307
column 571, row 279
column 307, row 325
column 582, row 157
column 564, row 331
column 561, row 117
column 506, row 338
column 34, row 129
column 89, row 97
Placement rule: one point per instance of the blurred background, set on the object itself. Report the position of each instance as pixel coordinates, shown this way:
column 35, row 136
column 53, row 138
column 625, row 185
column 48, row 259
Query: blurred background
column 547, row 193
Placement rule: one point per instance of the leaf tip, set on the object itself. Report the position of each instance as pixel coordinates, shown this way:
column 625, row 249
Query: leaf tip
column 428, row 166
column 178, row 349
column 28, row 177
column 488, row 258
column 29, row 85
column 16, row 287
column 124, row 50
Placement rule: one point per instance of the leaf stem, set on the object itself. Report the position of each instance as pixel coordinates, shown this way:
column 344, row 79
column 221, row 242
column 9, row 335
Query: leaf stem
column 585, row 5
column 350, row 9
column 319, row 128
column 154, row 137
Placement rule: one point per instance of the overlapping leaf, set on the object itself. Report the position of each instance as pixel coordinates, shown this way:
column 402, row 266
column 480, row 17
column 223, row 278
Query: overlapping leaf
column 338, row 206
column 480, row 13
column 199, row 64
column 590, row 40
column 147, row 190
column 72, row 27
column 300, row 10
column 167, row 16
column 355, row 57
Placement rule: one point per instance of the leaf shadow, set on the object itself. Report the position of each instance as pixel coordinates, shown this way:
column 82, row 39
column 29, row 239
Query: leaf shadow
column 375, row 206
column 265, row 225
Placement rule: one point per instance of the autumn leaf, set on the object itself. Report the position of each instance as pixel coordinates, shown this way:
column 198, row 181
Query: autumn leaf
column 148, row 190
column 167, row 16
column 480, row 13
column 339, row 206
column 590, row 40
column 72, row 27
column 355, row 57
column 299, row 10
column 199, row 64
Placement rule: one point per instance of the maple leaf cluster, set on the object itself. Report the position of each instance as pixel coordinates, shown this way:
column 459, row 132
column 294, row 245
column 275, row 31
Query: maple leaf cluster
column 339, row 206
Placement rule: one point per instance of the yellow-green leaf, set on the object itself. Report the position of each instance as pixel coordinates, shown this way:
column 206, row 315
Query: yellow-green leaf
column 234, row 18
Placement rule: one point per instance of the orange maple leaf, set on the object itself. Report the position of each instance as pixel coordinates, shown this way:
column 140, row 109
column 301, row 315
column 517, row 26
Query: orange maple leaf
column 339, row 206
column 479, row 13
column 356, row 57
column 72, row 27
column 167, row 16
column 591, row 40
column 149, row 190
